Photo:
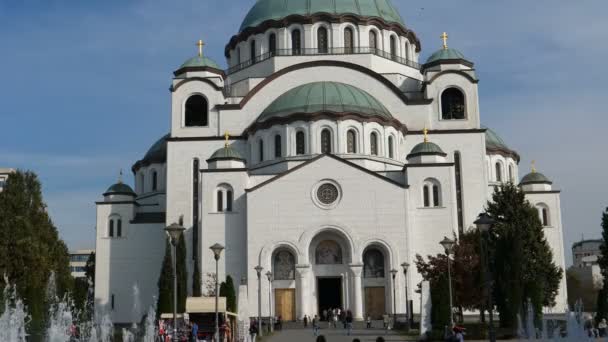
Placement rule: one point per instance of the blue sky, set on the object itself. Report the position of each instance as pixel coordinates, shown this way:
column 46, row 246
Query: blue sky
column 84, row 88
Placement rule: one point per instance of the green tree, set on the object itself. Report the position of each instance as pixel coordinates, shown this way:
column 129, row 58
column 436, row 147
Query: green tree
column 602, row 297
column 165, row 281
column 520, row 257
column 30, row 247
column 227, row 290
column 580, row 290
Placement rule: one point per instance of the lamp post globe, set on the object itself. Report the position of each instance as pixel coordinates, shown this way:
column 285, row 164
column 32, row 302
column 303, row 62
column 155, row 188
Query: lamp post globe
column 174, row 231
column 217, row 251
column 405, row 265
column 271, row 317
column 258, row 269
column 448, row 244
column 484, row 222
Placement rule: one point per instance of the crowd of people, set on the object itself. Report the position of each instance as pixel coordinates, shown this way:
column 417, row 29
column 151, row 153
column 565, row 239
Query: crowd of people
column 596, row 330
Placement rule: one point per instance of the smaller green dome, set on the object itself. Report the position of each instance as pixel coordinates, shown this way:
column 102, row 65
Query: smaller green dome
column 119, row 188
column 447, row 53
column 200, row 61
column 317, row 97
column 494, row 141
column 426, row 148
column 225, row 152
column 535, row 178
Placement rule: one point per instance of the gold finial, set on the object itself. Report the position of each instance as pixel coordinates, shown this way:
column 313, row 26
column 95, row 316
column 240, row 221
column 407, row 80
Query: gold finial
column 200, row 45
column 120, row 176
column 226, row 136
column 425, row 131
column 534, row 166
column 444, row 37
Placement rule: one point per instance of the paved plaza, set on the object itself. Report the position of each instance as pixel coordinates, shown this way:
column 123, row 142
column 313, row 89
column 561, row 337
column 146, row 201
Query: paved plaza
column 336, row 335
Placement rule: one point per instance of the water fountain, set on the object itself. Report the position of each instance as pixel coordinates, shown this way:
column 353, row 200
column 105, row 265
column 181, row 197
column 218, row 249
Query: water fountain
column 14, row 316
column 574, row 326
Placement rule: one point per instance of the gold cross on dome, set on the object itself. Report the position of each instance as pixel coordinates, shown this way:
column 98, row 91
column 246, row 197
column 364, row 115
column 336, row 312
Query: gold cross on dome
column 425, row 131
column 533, row 166
column 444, row 37
column 226, row 136
column 200, row 45
column 120, row 176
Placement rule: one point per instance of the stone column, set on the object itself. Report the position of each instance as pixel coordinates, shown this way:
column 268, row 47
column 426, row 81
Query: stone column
column 302, row 291
column 356, row 270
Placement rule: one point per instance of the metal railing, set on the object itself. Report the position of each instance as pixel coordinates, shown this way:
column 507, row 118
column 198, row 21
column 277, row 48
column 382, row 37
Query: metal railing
column 320, row 52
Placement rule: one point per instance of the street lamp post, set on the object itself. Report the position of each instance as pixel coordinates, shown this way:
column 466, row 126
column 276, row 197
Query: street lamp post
column 405, row 266
column 174, row 231
column 394, row 275
column 217, row 250
column 258, row 270
column 484, row 224
column 269, row 276
column 448, row 246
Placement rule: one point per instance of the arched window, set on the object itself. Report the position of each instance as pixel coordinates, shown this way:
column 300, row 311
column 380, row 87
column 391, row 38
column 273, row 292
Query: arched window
column 498, row 167
column 228, row 200
column 284, row 265
column 277, row 146
column 511, row 176
column 349, row 41
column 435, row 195
column 238, row 56
column 252, row 51
column 300, row 143
column 426, row 196
column 220, row 200
column 142, row 183
column 351, row 141
column 452, row 104
column 328, row 252
column 545, row 216
column 325, row 141
column 261, row 150
column 391, row 148
column 431, row 192
column 373, row 143
column 111, row 228
column 119, row 228
column 296, row 42
column 373, row 263
column 322, row 40
column 272, row 44
column 373, row 41
column 393, row 48
column 154, row 180
column 196, row 111
column 224, row 198
column 407, row 51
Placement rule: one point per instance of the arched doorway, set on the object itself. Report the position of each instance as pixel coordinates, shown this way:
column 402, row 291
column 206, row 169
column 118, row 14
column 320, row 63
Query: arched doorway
column 375, row 271
column 330, row 255
column 284, row 275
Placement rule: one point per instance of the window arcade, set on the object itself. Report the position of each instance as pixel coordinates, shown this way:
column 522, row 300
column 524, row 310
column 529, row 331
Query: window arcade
column 296, row 42
column 300, row 143
column 277, row 146
column 452, row 104
column 326, row 141
column 373, row 143
column 197, row 111
column 391, row 148
column 431, row 193
column 322, row 40
column 272, row 44
column 498, row 169
column 348, row 40
column 351, row 141
column 224, row 198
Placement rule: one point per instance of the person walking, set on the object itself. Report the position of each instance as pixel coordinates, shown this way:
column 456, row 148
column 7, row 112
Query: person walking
column 602, row 327
column 368, row 321
column 321, row 339
column 349, row 322
column 253, row 330
column 194, row 332
column 305, row 321
column 385, row 321
column 315, row 325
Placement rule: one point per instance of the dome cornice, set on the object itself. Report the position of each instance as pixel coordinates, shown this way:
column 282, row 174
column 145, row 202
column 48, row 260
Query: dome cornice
column 325, row 115
column 320, row 17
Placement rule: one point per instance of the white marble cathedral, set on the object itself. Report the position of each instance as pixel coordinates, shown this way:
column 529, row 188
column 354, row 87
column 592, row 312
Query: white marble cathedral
column 308, row 156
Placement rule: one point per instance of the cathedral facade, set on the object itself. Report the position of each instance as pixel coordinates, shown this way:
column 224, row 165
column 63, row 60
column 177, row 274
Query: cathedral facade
column 328, row 153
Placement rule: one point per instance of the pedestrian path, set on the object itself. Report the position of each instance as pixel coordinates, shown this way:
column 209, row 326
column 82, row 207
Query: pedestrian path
column 337, row 335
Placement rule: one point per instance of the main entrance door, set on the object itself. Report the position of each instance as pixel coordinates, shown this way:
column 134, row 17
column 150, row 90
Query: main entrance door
column 374, row 302
column 285, row 304
column 329, row 293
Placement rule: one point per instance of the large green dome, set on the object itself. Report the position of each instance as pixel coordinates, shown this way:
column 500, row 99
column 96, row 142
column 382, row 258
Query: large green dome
column 325, row 97
column 277, row 9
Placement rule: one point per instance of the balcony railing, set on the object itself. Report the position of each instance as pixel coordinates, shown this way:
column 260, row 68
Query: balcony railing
column 320, row 52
